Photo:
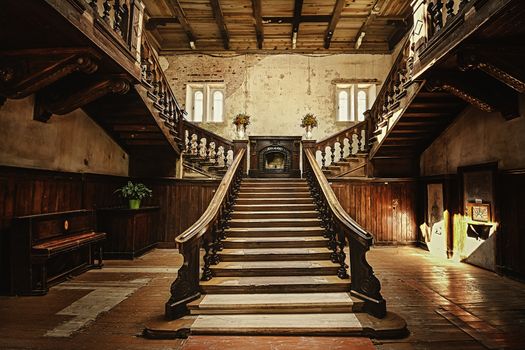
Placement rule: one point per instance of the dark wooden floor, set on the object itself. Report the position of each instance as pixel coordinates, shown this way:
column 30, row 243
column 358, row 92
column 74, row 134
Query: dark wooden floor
column 447, row 305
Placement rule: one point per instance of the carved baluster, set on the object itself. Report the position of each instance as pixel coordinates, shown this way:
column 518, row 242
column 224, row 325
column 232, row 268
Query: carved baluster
column 341, row 149
column 118, row 17
column 107, row 9
column 360, row 143
column 342, row 272
column 226, row 158
column 438, row 15
column 323, row 158
column 207, row 274
column 187, row 142
column 450, row 9
column 216, row 245
column 94, row 6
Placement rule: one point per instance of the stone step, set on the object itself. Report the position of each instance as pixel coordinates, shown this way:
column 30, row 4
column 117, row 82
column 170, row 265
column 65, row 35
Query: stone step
column 293, row 303
column 275, row 268
column 308, row 222
column 303, row 194
column 271, row 180
column 274, row 231
column 275, row 242
column 274, row 254
column 274, row 214
column 302, row 184
column 274, row 200
column 247, row 188
column 275, row 284
column 266, row 207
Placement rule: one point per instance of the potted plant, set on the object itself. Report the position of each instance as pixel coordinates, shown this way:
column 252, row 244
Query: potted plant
column 240, row 121
column 309, row 122
column 134, row 193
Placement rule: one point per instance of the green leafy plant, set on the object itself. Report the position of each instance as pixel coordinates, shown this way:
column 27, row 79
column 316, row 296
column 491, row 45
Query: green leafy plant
column 134, row 191
column 241, row 119
column 309, row 119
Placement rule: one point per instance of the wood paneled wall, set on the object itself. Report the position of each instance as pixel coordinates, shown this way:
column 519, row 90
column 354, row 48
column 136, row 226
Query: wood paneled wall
column 29, row 191
column 385, row 208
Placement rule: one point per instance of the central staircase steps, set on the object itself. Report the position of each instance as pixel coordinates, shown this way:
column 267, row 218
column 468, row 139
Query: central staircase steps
column 281, row 214
column 274, row 254
column 292, row 303
column 275, row 268
column 279, row 222
column 274, row 200
column 276, row 194
column 275, row 242
column 273, row 231
column 275, row 284
column 270, row 207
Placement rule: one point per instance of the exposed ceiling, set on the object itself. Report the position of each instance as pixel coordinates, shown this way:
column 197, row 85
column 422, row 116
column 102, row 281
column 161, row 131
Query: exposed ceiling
column 276, row 26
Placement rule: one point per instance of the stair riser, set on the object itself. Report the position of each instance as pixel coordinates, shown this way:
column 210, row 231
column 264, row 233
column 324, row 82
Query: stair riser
column 272, row 207
column 281, row 288
column 307, row 332
column 297, row 223
column 291, row 244
column 299, row 309
column 317, row 271
column 274, row 257
column 245, row 189
column 275, row 201
column 274, row 195
column 240, row 215
column 262, row 233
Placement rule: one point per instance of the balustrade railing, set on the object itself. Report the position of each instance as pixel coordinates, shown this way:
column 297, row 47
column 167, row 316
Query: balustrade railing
column 122, row 19
column 160, row 92
column 341, row 231
column 207, row 146
column 343, row 145
column 442, row 13
column 207, row 233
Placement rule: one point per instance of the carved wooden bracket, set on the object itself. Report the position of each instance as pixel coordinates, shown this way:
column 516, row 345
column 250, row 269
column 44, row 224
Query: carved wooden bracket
column 53, row 102
column 24, row 72
column 480, row 93
column 499, row 69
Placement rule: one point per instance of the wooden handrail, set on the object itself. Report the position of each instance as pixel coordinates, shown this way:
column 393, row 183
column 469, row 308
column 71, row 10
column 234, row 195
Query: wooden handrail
column 207, row 232
column 341, row 228
column 202, row 225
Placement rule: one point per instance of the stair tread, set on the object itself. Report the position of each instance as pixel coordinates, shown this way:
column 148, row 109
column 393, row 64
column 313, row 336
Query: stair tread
column 274, row 193
column 274, row 188
column 313, row 220
column 275, row 212
column 297, row 239
column 274, row 280
column 315, row 323
column 273, row 205
column 268, row 300
column 270, row 251
column 274, row 228
column 291, row 264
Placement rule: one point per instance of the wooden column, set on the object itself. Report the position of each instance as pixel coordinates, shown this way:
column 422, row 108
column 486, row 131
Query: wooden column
column 307, row 144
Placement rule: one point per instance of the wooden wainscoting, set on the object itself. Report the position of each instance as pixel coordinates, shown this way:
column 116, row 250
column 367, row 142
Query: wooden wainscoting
column 30, row 191
column 384, row 207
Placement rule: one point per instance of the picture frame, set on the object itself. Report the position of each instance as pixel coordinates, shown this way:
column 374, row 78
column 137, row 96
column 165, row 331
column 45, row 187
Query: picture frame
column 480, row 212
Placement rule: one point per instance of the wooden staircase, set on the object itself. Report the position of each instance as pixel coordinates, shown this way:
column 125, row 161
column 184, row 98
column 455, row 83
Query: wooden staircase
column 275, row 273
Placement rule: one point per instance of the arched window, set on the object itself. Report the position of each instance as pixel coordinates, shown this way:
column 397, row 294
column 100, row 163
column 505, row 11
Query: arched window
column 342, row 105
column 362, row 104
column 217, row 107
column 198, row 106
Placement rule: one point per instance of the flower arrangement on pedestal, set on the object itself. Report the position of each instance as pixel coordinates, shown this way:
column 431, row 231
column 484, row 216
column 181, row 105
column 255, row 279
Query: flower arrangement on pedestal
column 309, row 122
column 240, row 121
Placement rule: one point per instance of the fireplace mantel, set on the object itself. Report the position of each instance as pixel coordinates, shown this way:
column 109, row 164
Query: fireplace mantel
column 275, row 156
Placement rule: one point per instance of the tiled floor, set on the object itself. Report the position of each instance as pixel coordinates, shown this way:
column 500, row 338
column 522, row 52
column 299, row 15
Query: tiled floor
column 447, row 305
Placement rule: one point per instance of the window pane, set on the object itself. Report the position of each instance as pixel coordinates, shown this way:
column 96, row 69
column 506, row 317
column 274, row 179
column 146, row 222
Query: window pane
column 198, row 103
column 217, row 106
column 342, row 106
column 362, row 104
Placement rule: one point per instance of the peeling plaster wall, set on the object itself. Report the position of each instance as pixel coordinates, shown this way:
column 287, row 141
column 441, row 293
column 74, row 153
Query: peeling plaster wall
column 72, row 142
column 477, row 137
column 276, row 90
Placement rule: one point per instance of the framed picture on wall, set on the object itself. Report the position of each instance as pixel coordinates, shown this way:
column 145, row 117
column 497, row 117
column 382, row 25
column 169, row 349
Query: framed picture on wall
column 478, row 191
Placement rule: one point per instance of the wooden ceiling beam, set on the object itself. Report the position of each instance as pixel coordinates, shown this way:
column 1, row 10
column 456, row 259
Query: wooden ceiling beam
column 336, row 15
column 259, row 28
column 297, row 10
column 374, row 11
column 219, row 18
column 178, row 12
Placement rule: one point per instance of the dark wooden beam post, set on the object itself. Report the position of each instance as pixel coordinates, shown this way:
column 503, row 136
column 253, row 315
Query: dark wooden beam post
column 336, row 15
column 238, row 145
column 257, row 15
column 298, row 9
column 307, row 144
column 177, row 11
column 219, row 18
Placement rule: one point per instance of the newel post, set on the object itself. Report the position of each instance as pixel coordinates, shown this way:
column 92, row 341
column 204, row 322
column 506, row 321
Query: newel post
column 238, row 145
column 307, row 144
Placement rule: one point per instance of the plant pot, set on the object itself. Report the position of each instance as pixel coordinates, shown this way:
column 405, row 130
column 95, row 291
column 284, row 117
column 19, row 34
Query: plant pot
column 308, row 135
column 241, row 129
column 134, row 203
